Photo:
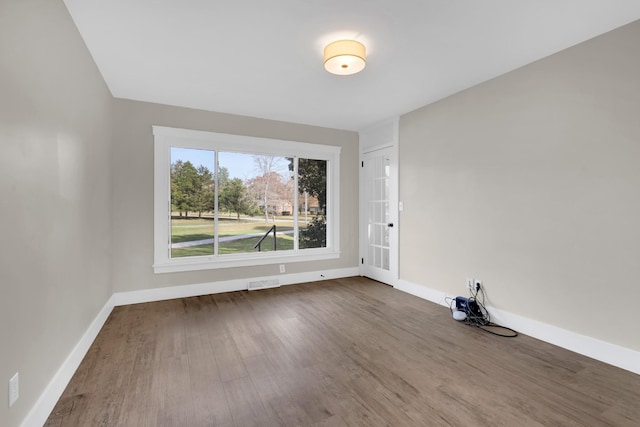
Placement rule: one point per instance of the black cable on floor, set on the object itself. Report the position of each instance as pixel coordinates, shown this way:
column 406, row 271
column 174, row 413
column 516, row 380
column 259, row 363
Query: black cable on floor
column 493, row 325
column 482, row 320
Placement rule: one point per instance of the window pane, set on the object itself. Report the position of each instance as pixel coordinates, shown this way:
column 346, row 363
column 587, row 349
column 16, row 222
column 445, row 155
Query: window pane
column 192, row 202
column 312, row 186
column 195, row 221
column 256, row 193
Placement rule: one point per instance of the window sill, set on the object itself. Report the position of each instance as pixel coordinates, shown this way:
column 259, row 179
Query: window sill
column 234, row 261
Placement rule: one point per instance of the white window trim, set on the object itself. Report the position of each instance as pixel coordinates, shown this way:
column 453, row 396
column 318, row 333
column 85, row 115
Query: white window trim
column 165, row 137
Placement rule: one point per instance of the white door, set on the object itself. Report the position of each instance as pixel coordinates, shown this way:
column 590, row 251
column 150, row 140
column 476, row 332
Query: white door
column 379, row 205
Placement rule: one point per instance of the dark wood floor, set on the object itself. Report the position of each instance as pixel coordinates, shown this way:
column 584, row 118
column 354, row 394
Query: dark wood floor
column 336, row 353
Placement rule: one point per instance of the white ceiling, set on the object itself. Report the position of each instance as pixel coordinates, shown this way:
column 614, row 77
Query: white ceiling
column 264, row 58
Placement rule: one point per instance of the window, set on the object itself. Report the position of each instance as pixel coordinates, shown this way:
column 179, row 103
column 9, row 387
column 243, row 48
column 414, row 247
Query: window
column 228, row 200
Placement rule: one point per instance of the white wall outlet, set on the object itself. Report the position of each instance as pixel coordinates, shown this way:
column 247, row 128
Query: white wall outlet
column 281, row 268
column 477, row 285
column 14, row 389
column 470, row 284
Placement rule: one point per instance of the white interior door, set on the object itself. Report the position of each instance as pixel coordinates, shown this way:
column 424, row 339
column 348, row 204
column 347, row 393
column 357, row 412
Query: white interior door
column 379, row 220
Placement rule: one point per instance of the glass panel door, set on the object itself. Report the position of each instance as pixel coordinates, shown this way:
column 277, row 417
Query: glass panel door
column 377, row 177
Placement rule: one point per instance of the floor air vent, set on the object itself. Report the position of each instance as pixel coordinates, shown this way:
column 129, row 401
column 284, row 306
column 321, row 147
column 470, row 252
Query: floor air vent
column 264, row 284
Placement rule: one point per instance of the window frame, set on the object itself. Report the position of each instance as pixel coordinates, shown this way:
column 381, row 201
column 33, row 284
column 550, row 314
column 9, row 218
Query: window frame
column 167, row 137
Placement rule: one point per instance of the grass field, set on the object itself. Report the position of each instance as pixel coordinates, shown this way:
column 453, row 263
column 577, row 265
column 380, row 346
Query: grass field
column 188, row 230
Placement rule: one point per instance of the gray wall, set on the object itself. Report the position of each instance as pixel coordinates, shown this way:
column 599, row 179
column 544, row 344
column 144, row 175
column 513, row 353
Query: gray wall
column 133, row 190
column 531, row 183
column 55, row 173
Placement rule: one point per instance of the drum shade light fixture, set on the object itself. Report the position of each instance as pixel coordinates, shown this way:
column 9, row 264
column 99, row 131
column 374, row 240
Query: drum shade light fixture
column 344, row 57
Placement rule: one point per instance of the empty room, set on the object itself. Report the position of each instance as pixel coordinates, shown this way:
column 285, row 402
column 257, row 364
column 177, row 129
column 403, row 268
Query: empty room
column 319, row 213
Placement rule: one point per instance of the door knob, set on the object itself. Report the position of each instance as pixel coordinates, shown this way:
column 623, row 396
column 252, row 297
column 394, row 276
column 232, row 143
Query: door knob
column 390, row 224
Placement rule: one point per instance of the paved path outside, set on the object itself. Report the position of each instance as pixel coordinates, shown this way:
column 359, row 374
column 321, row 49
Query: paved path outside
column 221, row 239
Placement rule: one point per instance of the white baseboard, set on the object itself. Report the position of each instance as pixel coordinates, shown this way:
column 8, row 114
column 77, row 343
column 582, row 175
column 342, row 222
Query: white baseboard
column 603, row 351
column 184, row 291
column 423, row 292
column 39, row 413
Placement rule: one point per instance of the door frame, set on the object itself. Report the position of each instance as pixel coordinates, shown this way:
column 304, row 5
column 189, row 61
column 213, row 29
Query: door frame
column 383, row 136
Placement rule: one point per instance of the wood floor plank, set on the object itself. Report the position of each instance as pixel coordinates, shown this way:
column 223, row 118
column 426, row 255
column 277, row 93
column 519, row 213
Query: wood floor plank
column 345, row 352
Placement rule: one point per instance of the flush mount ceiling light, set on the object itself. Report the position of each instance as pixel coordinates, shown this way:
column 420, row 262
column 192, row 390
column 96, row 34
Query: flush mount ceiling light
column 344, row 57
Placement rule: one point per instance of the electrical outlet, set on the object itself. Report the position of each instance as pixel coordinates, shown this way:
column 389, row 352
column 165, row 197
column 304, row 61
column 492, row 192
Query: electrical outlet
column 477, row 285
column 281, row 268
column 470, row 284
column 14, row 389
